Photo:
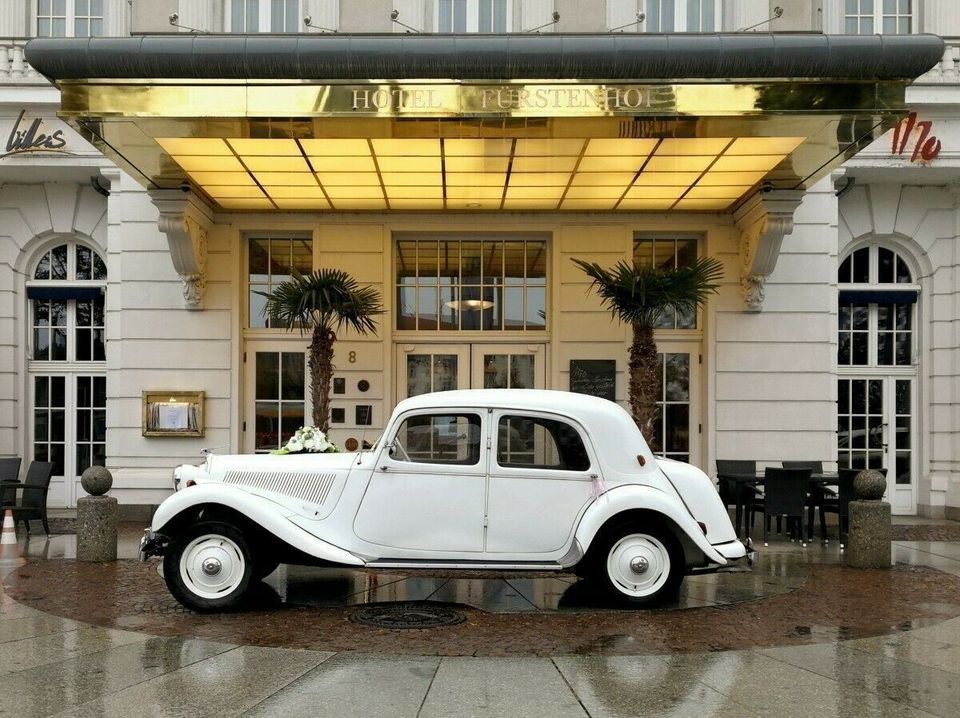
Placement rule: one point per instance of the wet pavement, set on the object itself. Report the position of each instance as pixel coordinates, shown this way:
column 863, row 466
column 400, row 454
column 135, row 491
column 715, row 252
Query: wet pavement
column 801, row 635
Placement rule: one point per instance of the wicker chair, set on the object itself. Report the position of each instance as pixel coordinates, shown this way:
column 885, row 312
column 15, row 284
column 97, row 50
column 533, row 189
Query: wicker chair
column 785, row 494
column 9, row 471
column 752, row 498
column 33, row 501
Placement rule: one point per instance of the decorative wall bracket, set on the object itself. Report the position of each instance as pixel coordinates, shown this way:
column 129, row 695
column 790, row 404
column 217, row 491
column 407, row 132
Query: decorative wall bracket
column 763, row 222
column 184, row 219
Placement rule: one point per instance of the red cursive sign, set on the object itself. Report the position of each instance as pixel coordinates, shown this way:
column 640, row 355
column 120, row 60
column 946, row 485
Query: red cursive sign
column 926, row 147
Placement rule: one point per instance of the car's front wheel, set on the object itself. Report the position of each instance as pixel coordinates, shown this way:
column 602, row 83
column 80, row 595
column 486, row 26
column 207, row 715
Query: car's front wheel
column 642, row 567
column 208, row 566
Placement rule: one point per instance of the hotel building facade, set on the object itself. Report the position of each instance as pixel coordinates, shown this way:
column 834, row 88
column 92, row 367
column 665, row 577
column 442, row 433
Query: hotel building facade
column 219, row 144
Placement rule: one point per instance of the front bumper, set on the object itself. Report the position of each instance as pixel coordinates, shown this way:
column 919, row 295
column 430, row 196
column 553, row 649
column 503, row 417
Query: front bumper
column 152, row 544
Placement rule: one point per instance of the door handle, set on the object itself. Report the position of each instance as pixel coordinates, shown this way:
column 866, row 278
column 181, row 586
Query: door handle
column 384, row 468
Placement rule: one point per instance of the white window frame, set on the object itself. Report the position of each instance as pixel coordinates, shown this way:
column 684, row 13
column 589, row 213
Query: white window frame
column 70, row 363
column 263, row 18
column 873, row 345
column 64, row 489
column 473, row 17
column 70, row 17
column 877, row 16
column 680, row 19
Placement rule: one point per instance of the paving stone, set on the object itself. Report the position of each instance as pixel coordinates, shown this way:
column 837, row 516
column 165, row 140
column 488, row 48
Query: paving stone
column 643, row 686
column 226, row 684
column 481, row 687
column 355, row 686
column 55, row 686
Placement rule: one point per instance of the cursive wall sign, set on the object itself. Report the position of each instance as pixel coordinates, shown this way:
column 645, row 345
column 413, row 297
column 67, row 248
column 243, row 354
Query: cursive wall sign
column 926, row 147
column 29, row 138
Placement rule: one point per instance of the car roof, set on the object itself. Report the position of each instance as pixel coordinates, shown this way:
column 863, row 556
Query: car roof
column 613, row 432
column 564, row 402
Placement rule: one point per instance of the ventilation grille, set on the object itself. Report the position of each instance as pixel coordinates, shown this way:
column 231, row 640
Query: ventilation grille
column 305, row 485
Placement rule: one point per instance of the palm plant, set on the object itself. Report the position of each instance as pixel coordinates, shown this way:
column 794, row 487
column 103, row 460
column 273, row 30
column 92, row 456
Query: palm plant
column 639, row 296
column 322, row 301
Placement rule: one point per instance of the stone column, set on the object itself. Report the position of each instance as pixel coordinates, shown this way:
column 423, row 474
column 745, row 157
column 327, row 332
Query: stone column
column 868, row 545
column 96, row 517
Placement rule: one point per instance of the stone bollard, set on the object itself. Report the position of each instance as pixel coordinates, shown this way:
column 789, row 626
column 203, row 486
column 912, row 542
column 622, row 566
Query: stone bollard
column 868, row 545
column 96, row 517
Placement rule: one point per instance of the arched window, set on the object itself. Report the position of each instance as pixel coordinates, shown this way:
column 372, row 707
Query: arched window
column 877, row 368
column 877, row 298
column 67, row 365
column 67, row 305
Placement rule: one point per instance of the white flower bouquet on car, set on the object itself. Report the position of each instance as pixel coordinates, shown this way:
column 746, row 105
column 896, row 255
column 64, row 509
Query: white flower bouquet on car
column 308, row 440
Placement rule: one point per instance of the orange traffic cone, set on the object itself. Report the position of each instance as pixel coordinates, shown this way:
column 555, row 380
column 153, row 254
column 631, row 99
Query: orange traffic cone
column 9, row 548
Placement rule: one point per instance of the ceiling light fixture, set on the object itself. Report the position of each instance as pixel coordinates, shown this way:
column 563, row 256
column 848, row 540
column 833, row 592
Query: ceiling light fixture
column 471, row 305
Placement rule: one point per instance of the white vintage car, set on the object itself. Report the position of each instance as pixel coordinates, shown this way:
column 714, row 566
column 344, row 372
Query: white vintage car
column 481, row 479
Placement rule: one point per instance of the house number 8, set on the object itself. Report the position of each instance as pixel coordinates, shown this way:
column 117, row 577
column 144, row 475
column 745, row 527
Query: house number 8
column 352, row 357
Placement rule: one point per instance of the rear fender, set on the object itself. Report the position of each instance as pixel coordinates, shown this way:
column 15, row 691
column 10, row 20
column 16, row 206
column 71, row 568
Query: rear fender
column 269, row 516
column 645, row 498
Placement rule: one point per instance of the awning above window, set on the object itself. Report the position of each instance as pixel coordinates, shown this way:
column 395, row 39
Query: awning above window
column 62, row 294
column 878, row 296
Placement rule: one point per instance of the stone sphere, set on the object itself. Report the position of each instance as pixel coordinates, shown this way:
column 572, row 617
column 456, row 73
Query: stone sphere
column 96, row 480
column 870, row 485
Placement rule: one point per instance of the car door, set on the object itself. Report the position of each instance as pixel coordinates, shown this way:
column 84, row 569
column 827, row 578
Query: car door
column 426, row 493
column 541, row 473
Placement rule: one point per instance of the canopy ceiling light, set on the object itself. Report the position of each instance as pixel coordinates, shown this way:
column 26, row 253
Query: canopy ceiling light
column 425, row 174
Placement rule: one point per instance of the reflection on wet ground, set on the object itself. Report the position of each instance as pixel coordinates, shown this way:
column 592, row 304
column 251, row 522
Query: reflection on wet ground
column 511, row 593
column 813, row 663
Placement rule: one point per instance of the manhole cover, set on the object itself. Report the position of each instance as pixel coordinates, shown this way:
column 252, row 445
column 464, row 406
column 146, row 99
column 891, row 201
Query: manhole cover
column 407, row 615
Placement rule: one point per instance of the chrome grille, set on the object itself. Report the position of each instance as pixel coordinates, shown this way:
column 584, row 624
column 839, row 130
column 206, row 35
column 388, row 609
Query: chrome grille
column 305, row 485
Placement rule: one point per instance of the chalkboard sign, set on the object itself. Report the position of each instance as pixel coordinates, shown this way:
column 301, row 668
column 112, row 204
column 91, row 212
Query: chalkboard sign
column 596, row 377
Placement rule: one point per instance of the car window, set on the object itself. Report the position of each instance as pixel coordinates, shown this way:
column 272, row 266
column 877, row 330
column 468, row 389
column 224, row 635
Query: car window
column 438, row 439
column 534, row 442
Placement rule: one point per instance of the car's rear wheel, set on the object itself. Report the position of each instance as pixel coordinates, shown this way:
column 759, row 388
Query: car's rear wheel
column 642, row 567
column 208, row 567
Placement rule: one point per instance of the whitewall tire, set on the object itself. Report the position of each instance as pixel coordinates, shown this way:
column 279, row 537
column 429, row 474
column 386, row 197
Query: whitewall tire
column 208, row 567
column 642, row 567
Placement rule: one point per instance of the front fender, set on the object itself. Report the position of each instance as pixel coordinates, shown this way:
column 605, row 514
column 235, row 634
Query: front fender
column 270, row 516
column 633, row 497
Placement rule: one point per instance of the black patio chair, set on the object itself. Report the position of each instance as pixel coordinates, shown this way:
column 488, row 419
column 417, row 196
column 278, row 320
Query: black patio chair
column 785, row 495
column 816, row 496
column 752, row 498
column 9, row 471
column 33, row 500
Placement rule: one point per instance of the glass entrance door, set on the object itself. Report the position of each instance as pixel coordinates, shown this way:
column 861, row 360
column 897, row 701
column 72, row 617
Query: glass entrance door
column 875, row 430
column 425, row 368
column 69, row 429
column 677, row 430
column 278, row 402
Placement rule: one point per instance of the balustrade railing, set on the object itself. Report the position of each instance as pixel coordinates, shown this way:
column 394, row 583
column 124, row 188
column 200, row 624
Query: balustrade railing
column 14, row 69
column 947, row 71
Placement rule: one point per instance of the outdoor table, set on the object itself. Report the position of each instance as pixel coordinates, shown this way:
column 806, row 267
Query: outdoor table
column 745, row 483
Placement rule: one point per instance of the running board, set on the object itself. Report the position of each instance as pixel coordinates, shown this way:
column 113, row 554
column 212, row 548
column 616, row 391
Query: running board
column 474, row 565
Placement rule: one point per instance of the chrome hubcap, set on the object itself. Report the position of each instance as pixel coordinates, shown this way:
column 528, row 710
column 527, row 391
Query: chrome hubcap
column 638, row 565
column 212, row 566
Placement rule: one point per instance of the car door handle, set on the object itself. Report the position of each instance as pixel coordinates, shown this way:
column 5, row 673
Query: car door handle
column 384, row 468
